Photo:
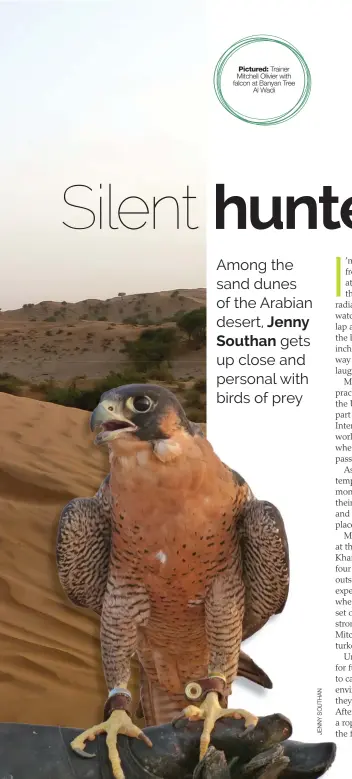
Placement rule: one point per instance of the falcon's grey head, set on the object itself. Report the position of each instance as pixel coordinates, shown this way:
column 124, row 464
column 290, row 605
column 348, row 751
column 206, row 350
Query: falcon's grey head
column 147, row 411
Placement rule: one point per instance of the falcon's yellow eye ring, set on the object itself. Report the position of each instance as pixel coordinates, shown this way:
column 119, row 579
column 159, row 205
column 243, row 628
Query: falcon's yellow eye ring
column 139, row 404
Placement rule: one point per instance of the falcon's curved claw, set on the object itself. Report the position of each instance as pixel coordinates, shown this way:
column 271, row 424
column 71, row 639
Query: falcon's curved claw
column 210, row 711
column 118, row 722
column 82, row 752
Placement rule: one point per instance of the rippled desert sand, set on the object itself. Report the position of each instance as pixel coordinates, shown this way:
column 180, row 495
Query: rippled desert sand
column 50, row 666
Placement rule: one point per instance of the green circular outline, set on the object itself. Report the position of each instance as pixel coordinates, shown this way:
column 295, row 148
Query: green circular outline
column 275, row 119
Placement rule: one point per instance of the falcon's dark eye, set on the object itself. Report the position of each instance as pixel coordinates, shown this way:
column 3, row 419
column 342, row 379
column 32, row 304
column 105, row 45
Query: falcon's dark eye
column 141, row 404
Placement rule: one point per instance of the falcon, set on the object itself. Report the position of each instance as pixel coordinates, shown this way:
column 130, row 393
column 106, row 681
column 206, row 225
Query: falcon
column 180, row 561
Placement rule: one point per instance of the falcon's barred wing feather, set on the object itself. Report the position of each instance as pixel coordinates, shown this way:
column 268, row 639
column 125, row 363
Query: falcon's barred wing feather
column 265, row 560
column 83, row 548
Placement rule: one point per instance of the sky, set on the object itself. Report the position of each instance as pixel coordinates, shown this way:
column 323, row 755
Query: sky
column 98, row 93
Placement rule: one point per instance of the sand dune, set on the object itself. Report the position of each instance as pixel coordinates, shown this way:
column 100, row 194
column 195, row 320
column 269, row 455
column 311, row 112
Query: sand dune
column 50, row 671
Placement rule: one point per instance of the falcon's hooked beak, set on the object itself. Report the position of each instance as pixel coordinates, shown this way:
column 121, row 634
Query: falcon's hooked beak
column 112, row 422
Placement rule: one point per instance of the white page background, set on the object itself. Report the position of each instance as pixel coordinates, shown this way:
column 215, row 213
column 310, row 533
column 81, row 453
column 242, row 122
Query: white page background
column 287, row 454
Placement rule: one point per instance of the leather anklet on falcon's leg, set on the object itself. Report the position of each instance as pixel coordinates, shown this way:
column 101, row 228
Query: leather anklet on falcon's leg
column 209, row 693
column 117, row 720
column 224, row 613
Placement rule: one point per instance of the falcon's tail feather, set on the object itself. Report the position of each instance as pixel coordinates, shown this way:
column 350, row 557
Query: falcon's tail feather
column 158, row 707
column 250, row 670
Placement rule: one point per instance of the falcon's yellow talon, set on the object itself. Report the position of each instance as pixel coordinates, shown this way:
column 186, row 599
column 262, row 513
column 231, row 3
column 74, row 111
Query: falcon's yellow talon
column 192, row 712
column 249, row 719
column 118, row 722
column 210, row 711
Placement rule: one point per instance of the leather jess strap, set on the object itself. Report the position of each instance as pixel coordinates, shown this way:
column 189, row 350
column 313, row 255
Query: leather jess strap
column 117, row 702
column 198, row 690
